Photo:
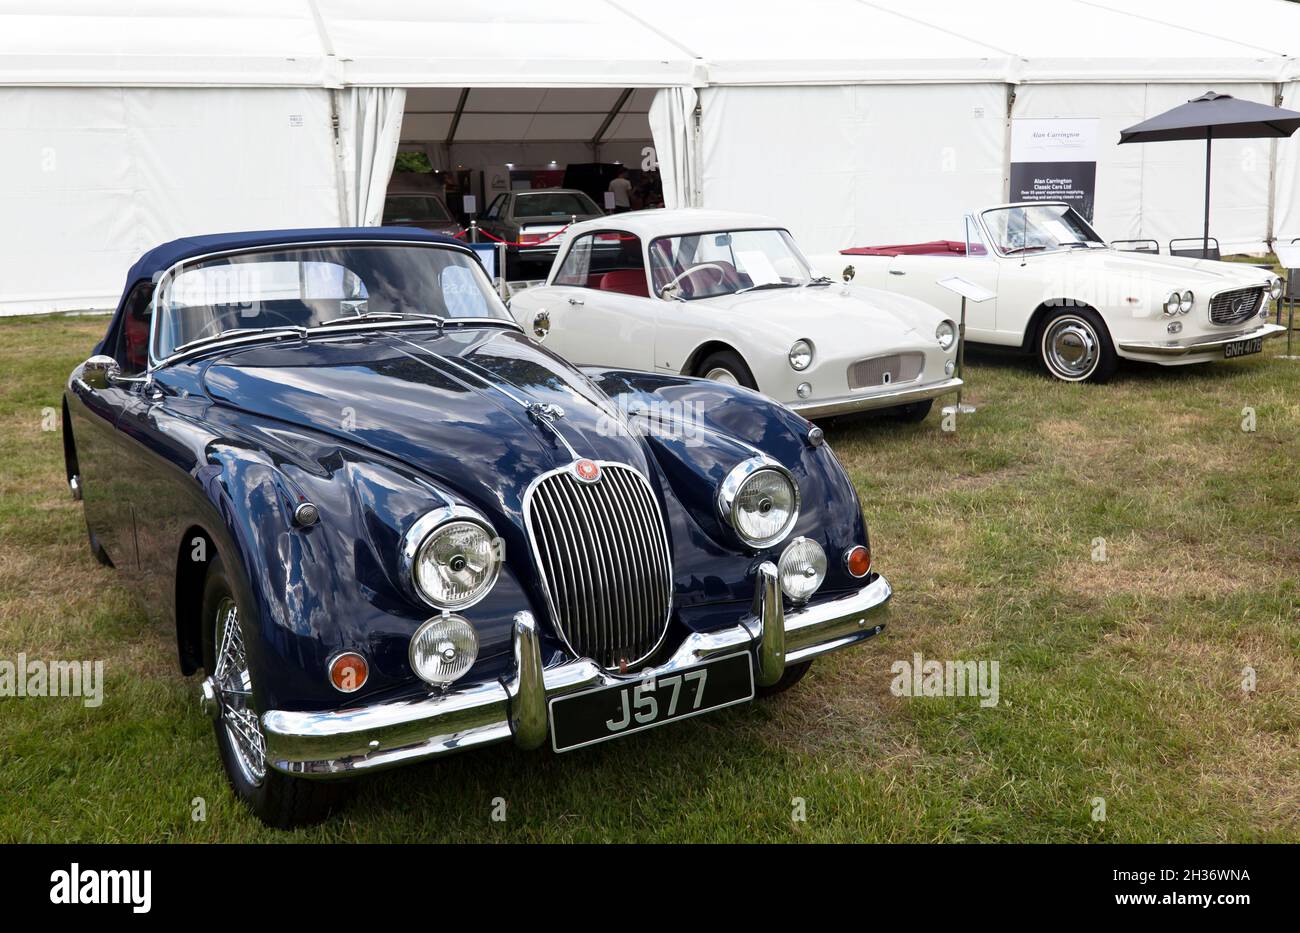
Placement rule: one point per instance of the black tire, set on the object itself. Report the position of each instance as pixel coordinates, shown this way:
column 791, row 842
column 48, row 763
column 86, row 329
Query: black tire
column 278, row 800
column 793, row 674
column 914, row 413
column 728, row 361
column 1074, row 345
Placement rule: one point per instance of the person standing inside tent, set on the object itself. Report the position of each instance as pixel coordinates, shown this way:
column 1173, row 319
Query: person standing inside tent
column 621, row 188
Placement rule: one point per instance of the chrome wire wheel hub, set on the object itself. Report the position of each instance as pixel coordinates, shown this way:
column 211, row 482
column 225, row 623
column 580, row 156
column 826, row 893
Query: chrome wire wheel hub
column 1071, row 348
column 725, row 376
column 234, row 693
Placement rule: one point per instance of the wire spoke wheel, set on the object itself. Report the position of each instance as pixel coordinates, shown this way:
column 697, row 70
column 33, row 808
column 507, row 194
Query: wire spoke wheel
column 235, row 691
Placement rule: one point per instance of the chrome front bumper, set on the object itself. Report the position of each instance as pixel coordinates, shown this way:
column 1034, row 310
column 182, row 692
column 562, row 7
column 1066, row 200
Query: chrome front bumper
column 1191, row 345
column 884, row 398
column 351, row 742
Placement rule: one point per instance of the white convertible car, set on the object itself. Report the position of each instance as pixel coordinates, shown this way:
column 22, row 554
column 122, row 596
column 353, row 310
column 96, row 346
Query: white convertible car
column 729, row 297
column 1076, row 302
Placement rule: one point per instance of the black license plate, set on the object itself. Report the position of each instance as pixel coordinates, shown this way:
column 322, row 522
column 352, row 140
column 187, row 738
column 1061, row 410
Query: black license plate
column 610, row 712
column 1243, row 347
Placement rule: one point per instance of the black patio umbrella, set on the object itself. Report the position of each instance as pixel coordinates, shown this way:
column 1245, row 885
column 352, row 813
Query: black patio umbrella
column 1209, row 117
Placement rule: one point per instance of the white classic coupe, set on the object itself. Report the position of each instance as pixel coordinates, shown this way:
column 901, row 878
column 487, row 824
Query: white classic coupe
column 1079, row 304
column 729, row 297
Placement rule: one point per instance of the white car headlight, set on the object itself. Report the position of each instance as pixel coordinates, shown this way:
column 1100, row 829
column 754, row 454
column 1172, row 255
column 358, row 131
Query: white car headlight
column 946, row 334
column 802, row 569
column 1275, row 289
column 760, row 500
column 443, row 649
column 1185, row 302
column 1172, row 302
column 451, row 558
column 801, row 355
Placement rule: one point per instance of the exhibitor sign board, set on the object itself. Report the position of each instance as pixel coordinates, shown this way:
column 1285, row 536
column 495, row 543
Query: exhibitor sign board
column 1055, row 160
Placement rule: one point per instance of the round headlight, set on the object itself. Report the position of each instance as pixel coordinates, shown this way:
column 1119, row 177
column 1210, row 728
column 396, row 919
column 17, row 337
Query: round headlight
column 1172, row 303
column 802, row 569
column 443, row 649
column 946, row 334
column 801, row 355
column 452, row 559
column 1185, row 302
column 760, row 500
column 1275, row 289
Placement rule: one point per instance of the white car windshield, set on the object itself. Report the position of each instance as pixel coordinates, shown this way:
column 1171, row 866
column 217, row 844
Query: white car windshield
column 705, row 265
column 1035, row 228
column 317, row 287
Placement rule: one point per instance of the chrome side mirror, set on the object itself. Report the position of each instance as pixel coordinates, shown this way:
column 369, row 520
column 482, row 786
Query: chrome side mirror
column 99, row 372
column 541, row 324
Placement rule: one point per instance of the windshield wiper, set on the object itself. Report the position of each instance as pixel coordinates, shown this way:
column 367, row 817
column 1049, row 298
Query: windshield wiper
column 378, row 316
column 755, row 288
column 239, row 332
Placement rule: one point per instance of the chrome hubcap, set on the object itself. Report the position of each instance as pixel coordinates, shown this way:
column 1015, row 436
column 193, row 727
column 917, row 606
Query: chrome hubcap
column 234, row 693
column 1071, row 348
column 720, row 374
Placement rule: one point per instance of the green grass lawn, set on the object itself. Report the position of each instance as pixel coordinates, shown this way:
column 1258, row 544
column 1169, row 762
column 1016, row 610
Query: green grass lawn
column 1118, row 679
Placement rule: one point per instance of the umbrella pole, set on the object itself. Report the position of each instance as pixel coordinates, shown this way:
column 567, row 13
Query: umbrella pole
column 1205, row 241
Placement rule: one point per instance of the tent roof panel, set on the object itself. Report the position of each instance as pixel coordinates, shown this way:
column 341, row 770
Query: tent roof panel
column 616, row 44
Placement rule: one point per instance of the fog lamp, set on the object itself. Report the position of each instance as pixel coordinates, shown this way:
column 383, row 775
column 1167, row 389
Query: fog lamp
column 443, row 649
column 802, row 569
column 804, row 389
column 949, row 367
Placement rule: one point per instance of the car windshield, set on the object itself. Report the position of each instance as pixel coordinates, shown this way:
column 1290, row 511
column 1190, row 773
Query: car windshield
column 414, row 208
column 316, row 287
column 705, row 265
column 1037, row 227
column 554, row 204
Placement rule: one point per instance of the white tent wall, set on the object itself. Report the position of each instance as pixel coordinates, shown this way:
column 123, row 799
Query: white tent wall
column 90, row 178
column 1157, row 190
column 889, row 163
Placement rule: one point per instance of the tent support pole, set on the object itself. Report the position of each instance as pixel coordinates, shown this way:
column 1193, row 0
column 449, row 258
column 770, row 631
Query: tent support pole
column 1205, row 242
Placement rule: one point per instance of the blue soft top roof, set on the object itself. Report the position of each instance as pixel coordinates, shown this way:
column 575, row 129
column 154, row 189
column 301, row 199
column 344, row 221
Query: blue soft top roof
column 163, row 257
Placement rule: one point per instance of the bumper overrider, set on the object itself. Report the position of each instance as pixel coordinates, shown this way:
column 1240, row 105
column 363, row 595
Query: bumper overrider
column 884, row 397
column 357, row 741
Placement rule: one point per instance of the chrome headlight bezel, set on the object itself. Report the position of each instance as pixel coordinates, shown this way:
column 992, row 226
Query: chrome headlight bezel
column 421, row 534
column 946, row 334
column 1172, row 303
column 1186, row 301
column 803, row 349
column 1274, row 289
column 736, row 480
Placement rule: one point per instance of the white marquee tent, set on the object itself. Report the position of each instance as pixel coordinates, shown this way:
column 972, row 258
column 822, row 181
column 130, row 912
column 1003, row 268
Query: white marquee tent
column 857, row 121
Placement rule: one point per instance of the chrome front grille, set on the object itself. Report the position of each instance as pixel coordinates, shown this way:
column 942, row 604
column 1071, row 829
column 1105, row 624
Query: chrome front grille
column 602, row 550
column 1235, row 306
column 885, row 370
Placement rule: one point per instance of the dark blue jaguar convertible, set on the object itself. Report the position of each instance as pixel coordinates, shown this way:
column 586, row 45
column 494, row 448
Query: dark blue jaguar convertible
column 388, row 526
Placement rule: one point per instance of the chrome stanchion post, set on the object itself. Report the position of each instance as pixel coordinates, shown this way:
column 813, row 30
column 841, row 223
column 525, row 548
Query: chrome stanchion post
column 473, row 229
column 977, row 293
column 502, row 287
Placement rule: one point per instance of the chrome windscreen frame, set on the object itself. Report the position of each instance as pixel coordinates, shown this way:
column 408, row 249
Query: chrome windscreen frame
column 235, row 340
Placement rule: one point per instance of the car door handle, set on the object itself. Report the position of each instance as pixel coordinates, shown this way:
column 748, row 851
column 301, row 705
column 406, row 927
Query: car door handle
column 897, row 272
column 576, row 301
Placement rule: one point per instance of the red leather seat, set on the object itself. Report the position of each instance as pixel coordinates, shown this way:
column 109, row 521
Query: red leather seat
column 626, row 282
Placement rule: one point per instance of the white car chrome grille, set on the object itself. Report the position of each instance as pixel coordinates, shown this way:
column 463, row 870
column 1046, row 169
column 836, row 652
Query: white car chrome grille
column 1235, row 306
column 885, row 370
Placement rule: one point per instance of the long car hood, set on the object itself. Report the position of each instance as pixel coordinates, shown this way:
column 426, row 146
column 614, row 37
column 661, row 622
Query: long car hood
column 1202, row 275
column 834, row 312
column 451, row 405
